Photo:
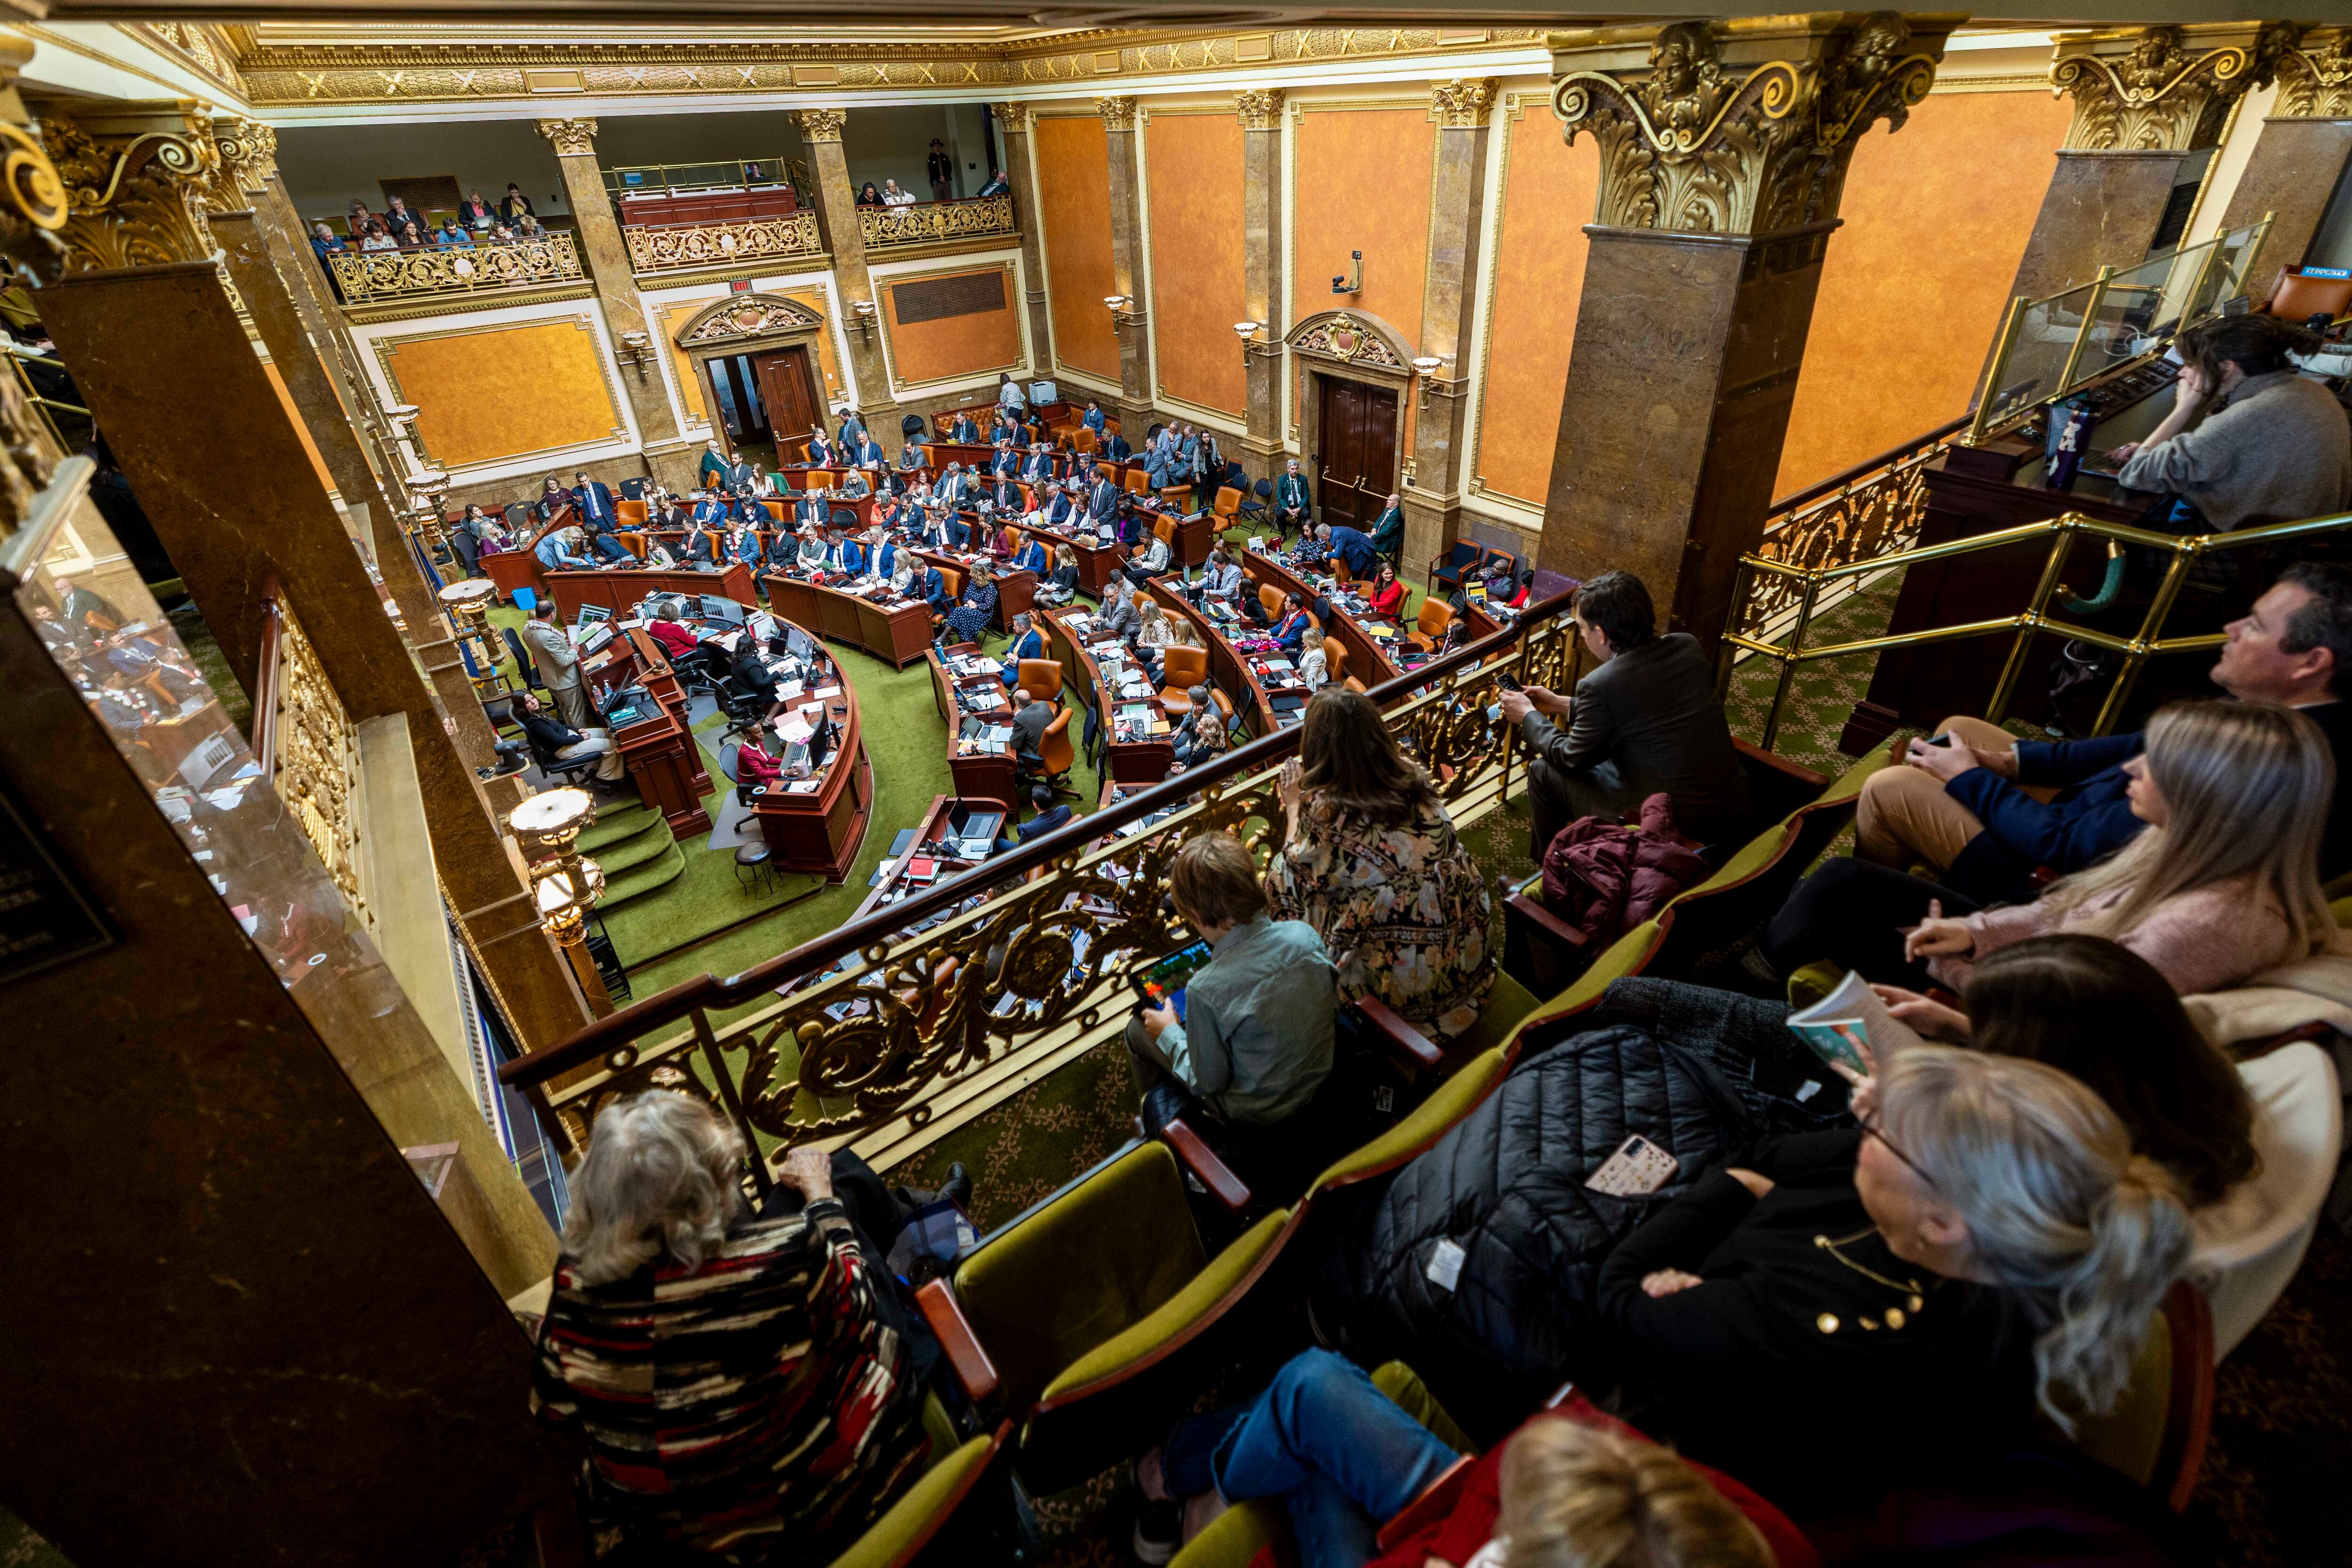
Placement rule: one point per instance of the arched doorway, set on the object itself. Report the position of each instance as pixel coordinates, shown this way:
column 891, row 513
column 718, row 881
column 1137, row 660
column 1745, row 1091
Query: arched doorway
column 1351, row 416
column 755, row 358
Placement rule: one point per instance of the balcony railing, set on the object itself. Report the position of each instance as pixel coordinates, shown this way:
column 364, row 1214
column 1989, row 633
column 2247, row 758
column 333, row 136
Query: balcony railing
column 370, row 276
column 666, row 247
column 928, row 222
column 906, row 1016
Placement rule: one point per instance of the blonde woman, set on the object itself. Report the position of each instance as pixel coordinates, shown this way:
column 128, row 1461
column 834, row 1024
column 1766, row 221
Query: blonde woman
column 1313, row 668
column 1152, row 638
column 2223, row 885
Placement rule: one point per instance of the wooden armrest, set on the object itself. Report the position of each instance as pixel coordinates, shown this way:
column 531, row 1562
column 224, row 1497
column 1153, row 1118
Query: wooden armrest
column 1435, row 1502
column 1408, row 1044
column 961, row 1346
column 1551, row 925
column 1210, row 1171
column 2317, row 1030
column 1751, row 752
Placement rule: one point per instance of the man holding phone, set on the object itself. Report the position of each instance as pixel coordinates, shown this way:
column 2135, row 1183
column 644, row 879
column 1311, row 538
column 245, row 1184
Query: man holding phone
column 1252, row 1042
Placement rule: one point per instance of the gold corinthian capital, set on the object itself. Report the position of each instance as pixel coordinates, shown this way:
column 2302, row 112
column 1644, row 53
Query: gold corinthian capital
column 1260, row 108
column 1741, row 127
column 248, row 153
column 1013, row 119
column 821, row 124
column 2163, row 89
column 135, row 180
column 2315, row 77
column 1118, row 113
column 572, row 138
column 1463, row 104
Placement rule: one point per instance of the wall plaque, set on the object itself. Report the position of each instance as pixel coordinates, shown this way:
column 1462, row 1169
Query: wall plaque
column 937, row 298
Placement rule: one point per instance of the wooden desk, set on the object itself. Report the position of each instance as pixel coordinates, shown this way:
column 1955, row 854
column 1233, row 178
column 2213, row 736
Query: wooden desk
column 897, row 632
column 1228, row 670
column 1015, row 591
column 1141, row 761
column 1366, row 660
column 622, row 589
column 979, row 775
column 513, row 568
column 930, row 832
column 658, row 750
column 821, row 831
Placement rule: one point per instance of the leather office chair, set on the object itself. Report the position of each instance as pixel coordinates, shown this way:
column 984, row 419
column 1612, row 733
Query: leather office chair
column 1464, row 555
column 776, row 509
column 630, row 512
column 528, row 670
column 1177, row 495
column 1183, row 668
column 1107, row 471
column 1354, row 684
column 635, row 544
column 1082, row 439
column 1057, row 755
column 1136, row 482
column 1270, row 598
column 1226, row 507
column 1335, row 659
column 1429, row 627
column 1339, row 572
column 1165, row 529
column 1041, row 678
column 1225, row 711
column 2295, row 297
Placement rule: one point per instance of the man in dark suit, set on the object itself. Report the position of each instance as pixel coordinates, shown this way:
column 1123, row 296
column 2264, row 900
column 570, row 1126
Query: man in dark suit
column 809, row 509
column 594, row 502
column 1354, row 547
column 821, row 454
column 1116, row 448
column 1388, row 534
column 853, row 429
column 1292, row 507
column 783, row 551
column 1102, row 502
column 1646, row 722
column 867, row 452
column 1003, row 462
column 1039, row 468
column 950, row 489
column 930, row 586
column 1007, row 497
column 1049, row 817
column 1065, row 508
column 964, row 430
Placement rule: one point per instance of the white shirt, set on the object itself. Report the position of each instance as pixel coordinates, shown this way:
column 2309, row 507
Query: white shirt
column 1312, row 670
column 897, row 198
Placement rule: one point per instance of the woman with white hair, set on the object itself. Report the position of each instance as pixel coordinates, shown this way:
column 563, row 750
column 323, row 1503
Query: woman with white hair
column 2223, row 884
column 741, row 1382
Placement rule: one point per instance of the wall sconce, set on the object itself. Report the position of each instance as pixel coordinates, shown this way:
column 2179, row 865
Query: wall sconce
column 1425, row 369
column 397, row 418
column 1247, row 332
column 1122, row 309
column 564, row 883
column 636, row 349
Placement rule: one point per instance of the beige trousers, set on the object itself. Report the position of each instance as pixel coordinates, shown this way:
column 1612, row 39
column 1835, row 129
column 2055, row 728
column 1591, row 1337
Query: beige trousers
column 1905, row 816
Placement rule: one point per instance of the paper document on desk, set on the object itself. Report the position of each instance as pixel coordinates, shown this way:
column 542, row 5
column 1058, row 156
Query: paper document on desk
column 803, row 785
column 793, row 730
column 1848, row 1018
column 788, row 690
column 827, row 692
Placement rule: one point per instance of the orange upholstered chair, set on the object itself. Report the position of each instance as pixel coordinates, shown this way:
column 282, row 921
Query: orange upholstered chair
column 1057, row 755
column 1166, row 530
column 1183, row 668
column 1227, row 504
column 1335, row 659
column 1136, row 482
column 1429, row 630
column 1353, row 684
column 1107, row 471
column 1082, row 439
column 635, row 544
column 1041, row 678
column 1270, row 598
column 1339, row 572
column 775, row 510
column 632, row 514
column 2295, row 297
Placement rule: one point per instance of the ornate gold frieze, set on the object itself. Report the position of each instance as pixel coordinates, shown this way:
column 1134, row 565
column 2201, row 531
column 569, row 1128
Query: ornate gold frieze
column 1697, row 144
column 1343, row 337
column 821, row 124
column 1013, row 119
column 1259, row 108
column 1465, row 102
column 572, row 138
column 2316, row 78
column 248, row 153
column 926, row 222
column 672, row 245
column 372, row 276
column 193, row 44
column 2149, row 90
column 751, row 315
column 314, row 756
column 135, row 194
column 1118, row 113
column 409, row 72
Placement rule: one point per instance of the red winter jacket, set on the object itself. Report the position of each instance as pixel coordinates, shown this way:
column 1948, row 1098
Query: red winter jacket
column 1604, row 879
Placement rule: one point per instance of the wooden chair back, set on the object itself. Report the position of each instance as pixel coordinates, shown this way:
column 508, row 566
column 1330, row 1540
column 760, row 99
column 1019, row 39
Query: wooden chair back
column 1054, row 750
column 1041, row 678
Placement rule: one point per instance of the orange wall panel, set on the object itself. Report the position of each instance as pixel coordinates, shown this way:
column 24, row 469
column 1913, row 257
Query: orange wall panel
column 1937, row 217
column 1074, row 204
column 953, row 346
column 278, row 385
column 1548, row 194
column 510, row 392
column 1360, row 181
column 1193, row 162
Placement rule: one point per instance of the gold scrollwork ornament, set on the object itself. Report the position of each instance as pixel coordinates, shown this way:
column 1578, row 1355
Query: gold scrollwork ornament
column 133, row 204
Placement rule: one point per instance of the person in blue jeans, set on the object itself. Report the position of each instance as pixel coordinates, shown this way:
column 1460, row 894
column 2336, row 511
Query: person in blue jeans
column 1342, row 1456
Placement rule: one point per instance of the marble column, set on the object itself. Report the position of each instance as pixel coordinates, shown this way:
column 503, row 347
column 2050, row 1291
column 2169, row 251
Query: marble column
column 836, row 215
column 605, row 257
column 2300, row 157
column 1432, row 491
column 2146, row 100
column 1261, row 299
column 153, row 341
column 1013, row 124
column 1723, row 148
column 1123, row 136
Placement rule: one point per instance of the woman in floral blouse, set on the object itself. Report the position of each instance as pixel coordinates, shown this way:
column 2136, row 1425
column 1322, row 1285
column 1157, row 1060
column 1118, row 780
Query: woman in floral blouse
column 1373, row 865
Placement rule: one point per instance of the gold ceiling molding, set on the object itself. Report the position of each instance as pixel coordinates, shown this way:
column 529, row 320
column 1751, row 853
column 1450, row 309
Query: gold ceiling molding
column 1463, row 102
column 821, row 124
column 421, row 72
column 2163, row 89
column 135, row 184
column 202, row 48
column 572, row 138
column 2316, row 78
column 1260, row 108
column 1743, row 127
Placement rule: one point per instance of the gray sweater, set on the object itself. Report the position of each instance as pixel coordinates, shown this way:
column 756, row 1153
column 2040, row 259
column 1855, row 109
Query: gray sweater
column 2277, row 450
column 1256, row 1035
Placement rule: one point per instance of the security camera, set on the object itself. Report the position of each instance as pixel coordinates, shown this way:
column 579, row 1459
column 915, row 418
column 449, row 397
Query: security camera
column 1339, row 283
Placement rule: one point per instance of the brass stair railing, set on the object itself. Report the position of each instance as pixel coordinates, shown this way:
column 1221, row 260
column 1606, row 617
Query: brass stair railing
column 2136, row 649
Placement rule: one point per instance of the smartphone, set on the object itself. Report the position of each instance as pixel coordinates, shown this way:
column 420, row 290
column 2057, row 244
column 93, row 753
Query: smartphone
column 1637, row 1169
column 1157, row 981
column 1509, row 682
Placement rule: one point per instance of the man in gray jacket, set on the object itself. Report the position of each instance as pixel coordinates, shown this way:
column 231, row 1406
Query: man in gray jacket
column 558, row 665
column 1646, row 721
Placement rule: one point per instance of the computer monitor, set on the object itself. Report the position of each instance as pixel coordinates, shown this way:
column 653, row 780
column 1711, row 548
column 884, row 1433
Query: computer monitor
column 591, row 613
column 717, row 607
column 763, row 625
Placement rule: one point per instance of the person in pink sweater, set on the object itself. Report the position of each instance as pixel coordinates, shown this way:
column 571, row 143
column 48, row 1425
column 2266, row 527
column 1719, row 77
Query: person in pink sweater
column 2224, row 884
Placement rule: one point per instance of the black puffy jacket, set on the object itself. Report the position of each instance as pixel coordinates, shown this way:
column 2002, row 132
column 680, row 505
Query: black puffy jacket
column 1507, row 1185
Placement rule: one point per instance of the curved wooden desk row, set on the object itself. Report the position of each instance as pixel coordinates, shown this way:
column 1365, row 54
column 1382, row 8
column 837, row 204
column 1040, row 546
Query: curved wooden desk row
column 1228, row 671
column 1369, row 658
column 979, row 774
column 1140, row 759
column 817, row 831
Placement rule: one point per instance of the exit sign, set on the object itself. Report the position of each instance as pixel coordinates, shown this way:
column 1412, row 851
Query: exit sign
column 739, row 285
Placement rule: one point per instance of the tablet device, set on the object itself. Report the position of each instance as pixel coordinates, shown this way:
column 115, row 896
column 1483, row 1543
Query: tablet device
column 1155, row 982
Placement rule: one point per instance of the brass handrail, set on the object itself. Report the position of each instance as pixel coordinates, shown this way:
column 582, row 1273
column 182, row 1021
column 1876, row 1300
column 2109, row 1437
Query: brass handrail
column 365, row 277
column 887, row 1013
column 2062, row 530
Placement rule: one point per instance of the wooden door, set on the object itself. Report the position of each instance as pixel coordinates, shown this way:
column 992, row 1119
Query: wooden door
column 1359, row 441
column 789, row 389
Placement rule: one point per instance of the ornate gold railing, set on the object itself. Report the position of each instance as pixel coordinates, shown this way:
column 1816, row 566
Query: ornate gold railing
column 2147, row 643
column 885, row 1026
column 927, row 223
column 667, row 247
column 307, row 747
column 370, row 276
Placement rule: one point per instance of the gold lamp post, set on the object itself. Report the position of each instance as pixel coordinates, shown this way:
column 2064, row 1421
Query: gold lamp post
column 469, row 607
column 564, row 883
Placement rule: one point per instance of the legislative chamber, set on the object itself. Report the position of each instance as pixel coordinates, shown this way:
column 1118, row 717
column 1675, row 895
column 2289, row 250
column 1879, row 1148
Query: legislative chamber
column 914, row 790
